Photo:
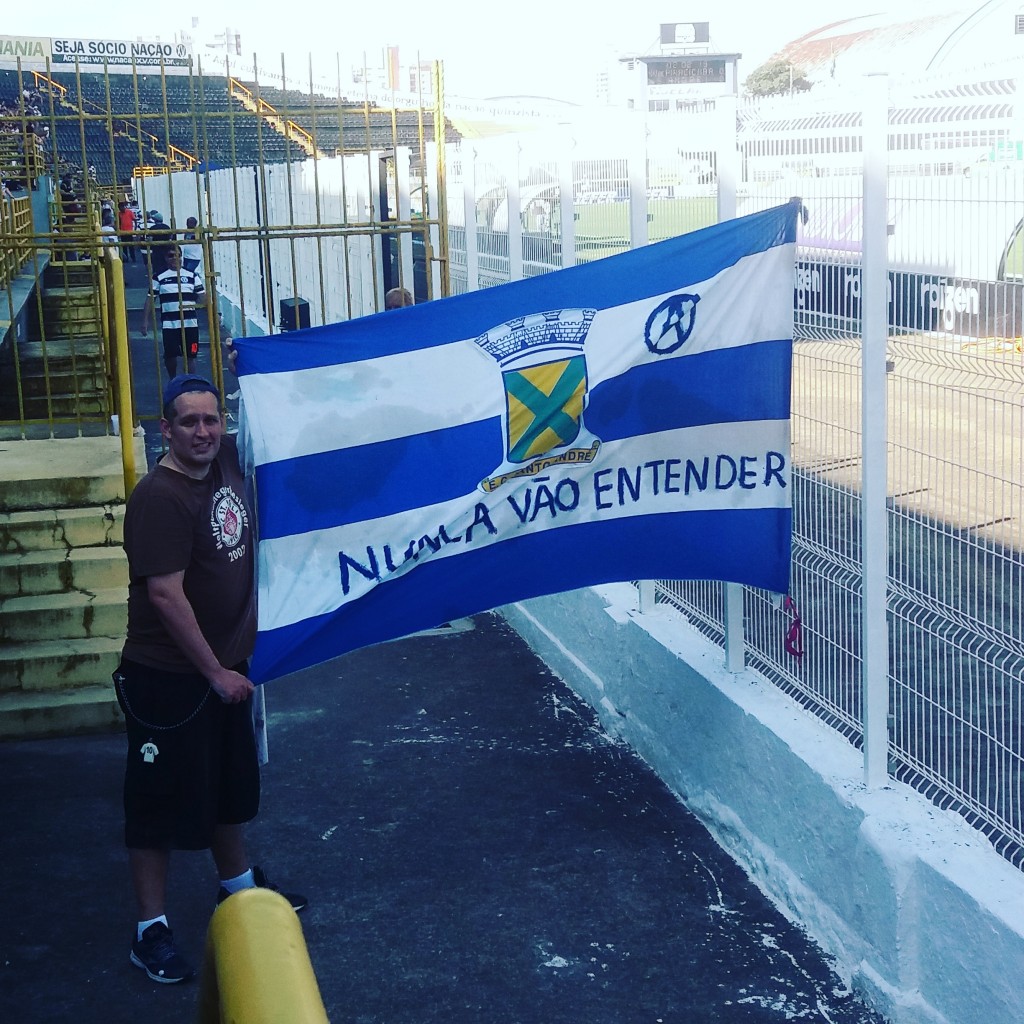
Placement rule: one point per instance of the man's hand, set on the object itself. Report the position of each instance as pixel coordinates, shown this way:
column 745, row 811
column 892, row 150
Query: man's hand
column 231, row 687
column 231, row 354
column 168, row 598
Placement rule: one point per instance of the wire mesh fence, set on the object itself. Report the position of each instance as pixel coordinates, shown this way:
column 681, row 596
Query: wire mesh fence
column 955, row 395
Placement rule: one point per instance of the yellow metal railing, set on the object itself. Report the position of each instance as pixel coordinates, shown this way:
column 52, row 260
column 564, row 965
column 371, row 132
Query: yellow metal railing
column 119, row 363
column 287, row 127
column 42, row 80
column 16, row 230
column 257, row 967
column 179, row 158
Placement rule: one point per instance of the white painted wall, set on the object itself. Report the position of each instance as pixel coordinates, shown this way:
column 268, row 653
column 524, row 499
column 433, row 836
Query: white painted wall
column 922, row 916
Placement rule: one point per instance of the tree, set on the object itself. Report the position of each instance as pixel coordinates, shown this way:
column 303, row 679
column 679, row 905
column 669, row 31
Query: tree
column 776, row 77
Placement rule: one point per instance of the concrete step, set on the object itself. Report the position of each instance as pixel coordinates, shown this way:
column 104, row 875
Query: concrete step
column 62, row 406
column 60, row 529
column 72, row 615
column 65, row 382
column 75, row 295
column 54, row 571
column 63, row 354
column 57, row 664
column 61, row 273
column 57, row 326
column 25, row 715
column 58, row 474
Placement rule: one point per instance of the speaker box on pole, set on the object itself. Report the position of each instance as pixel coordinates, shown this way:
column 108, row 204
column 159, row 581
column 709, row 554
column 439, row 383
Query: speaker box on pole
column 294, row 314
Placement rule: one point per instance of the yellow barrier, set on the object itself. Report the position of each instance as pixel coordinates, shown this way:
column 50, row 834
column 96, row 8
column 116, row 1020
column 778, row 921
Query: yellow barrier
column 120, row 362
column 256, row 969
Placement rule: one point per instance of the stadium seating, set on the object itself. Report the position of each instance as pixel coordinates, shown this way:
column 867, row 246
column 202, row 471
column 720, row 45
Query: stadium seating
column 117, row 122
column 342, row 124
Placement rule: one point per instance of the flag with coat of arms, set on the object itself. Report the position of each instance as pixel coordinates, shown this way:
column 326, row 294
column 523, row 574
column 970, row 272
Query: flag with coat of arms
column 624, row 419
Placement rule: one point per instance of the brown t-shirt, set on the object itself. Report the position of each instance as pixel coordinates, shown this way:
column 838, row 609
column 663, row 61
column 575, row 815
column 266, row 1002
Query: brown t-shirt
column 204, row 527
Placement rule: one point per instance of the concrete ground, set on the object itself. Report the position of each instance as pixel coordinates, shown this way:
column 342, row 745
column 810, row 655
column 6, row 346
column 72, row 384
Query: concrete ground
column 472, row 845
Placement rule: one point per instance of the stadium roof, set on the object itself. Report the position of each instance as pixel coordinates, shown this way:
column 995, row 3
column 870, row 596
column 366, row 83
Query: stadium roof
column 941, row 40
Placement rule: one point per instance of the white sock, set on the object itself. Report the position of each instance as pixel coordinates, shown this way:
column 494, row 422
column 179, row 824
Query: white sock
column 243, row 881
column 143, row 925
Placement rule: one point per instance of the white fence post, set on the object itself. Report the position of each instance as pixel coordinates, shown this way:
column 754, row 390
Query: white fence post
column 567, row 206
column 874, row 536
column 726, row 165
column 513, row 203
column 403, row 188
column 469, row 206
column 636, row 171
column 735, row 638
column 727, row 156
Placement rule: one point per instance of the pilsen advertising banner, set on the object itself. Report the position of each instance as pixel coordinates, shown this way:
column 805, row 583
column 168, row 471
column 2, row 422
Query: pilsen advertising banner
column 39, row 53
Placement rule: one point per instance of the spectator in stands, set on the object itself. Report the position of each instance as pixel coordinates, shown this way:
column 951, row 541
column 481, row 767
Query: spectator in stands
column 126, row 224
column 158, row 238
column 109, row 232
column 179, row 293
column 191, row 250
column 398, row 297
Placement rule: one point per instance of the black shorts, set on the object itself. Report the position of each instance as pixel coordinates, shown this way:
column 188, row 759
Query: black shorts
column 191, row 759
column 173, row 337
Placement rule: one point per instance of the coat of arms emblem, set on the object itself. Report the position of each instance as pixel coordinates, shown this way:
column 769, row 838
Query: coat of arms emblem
column 544, row 372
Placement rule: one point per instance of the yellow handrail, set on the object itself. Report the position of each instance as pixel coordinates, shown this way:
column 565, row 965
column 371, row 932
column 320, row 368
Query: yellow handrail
column 172, row 151
column 122, row 368
column 50, row 83
column 263, row 108
column 16, row 228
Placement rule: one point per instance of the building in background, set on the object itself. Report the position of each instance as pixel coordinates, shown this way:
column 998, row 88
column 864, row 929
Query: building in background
column 685, row 74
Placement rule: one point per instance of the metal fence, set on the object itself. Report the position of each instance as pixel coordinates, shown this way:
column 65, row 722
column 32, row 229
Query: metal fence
column 949, row 166
column 306, row 206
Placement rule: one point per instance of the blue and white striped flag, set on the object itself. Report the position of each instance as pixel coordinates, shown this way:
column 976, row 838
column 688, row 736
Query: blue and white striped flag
column 625, row 419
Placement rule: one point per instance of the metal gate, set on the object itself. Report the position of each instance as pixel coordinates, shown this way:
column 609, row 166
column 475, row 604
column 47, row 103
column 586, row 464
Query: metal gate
column 295, row 205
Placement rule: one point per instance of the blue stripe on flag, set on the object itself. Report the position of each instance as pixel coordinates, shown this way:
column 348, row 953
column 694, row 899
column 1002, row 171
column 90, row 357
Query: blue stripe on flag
column 613, row 281
column 732, row 385
column 728, row 545
column 316, row 492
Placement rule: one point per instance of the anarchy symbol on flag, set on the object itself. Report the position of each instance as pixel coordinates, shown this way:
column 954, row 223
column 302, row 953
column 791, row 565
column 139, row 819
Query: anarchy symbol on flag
column 670, row 324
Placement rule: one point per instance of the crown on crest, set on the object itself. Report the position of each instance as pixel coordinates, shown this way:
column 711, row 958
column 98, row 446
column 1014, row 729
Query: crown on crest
column 558, row 331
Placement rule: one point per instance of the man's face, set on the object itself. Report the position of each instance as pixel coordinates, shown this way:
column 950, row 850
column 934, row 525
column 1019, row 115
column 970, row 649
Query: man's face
column 194, row 436
column 174, row 258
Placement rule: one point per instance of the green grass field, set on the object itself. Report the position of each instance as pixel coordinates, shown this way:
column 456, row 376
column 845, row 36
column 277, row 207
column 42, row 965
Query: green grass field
column 602, row 229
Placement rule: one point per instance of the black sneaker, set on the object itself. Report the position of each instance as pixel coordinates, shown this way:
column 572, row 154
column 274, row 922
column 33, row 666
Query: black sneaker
column 262, row 882
column 156, row 955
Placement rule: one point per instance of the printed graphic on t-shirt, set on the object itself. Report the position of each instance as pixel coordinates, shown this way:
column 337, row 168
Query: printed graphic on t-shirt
column 228, row 518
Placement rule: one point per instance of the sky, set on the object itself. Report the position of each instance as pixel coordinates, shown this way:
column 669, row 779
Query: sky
column 526, row 47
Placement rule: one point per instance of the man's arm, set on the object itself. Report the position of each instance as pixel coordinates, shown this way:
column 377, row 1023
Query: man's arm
column 167, row 595
column 147, row 312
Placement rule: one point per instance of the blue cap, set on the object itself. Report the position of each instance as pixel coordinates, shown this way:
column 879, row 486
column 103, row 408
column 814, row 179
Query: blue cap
column 185, row 383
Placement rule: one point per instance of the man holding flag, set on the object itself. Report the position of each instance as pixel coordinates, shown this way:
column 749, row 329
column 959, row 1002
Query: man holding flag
column 192, row 774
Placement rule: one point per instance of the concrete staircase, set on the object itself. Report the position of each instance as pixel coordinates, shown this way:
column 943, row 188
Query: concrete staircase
column 70, row 361
column 63, row 584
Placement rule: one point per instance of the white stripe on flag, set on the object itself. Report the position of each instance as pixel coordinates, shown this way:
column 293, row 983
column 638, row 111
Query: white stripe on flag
column 301, row 575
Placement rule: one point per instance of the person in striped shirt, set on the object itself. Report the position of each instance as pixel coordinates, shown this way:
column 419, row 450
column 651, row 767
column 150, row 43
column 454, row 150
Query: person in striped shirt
column 180, row 294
